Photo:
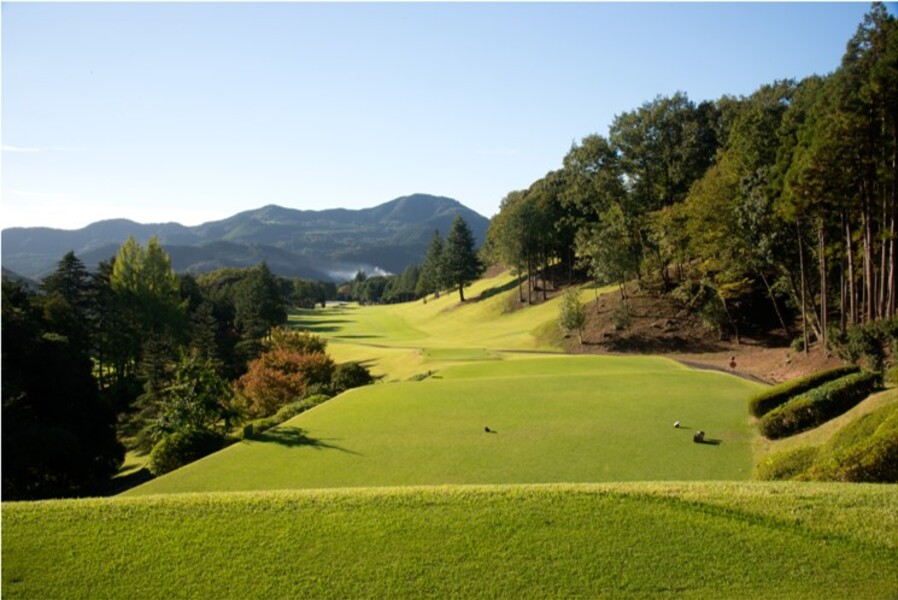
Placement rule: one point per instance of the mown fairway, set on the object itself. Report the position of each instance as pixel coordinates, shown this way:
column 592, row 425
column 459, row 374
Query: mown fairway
column 555, row 419
column 407, row 495
column 623, row 540
column 398, row 341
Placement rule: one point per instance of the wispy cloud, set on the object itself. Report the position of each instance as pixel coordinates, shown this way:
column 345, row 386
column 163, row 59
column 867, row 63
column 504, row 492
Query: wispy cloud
column 37, row 149
column 21, row 149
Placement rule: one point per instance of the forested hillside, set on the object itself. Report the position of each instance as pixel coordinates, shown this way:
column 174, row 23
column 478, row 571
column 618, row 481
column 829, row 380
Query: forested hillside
column 775, row 207
column 327, row 245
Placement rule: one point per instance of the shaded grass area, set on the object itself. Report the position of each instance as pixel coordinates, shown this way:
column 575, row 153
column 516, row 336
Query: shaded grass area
column 615, row 540
column 557, row 419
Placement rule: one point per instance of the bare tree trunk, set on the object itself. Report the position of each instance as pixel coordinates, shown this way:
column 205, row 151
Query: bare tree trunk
column 852, row 292
column 529, row 278
column 804, row 309
column 843, row 296
column 888, row 264
column 824, row 303
column 776, row 307
column 869, row 279
column 595, row 290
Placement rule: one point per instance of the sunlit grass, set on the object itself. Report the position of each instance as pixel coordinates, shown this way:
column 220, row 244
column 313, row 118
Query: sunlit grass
column 562, row 541
column 555, row 419
column 444, row 332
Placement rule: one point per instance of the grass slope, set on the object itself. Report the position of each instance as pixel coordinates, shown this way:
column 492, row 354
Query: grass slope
column 623, row 540
column 401, row 340
column 558, row 419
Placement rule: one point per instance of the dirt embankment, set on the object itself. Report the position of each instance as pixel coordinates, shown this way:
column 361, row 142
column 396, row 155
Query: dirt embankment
column 659, row 326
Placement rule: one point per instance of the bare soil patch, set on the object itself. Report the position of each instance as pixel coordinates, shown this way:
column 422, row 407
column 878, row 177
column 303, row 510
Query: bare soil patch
column 661, row 326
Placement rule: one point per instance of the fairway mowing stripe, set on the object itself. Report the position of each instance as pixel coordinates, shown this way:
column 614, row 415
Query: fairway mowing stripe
column 754, row 519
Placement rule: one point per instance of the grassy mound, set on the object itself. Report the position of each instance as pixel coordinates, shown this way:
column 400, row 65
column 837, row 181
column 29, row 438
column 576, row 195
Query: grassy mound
column 865, row 448
column 636, row 540
column 403, row 340
column 553, row 419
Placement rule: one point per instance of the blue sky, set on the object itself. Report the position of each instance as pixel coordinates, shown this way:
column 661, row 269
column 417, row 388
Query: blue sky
column 193, row 112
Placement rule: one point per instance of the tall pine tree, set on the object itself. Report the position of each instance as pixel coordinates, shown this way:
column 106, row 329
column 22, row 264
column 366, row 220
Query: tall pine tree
column 461, row 265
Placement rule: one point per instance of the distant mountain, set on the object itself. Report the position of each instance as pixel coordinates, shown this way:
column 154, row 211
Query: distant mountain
column 13, row 276
column 327, row 244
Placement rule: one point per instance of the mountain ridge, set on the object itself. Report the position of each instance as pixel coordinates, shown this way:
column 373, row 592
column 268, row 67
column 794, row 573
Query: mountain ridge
column 320, row 244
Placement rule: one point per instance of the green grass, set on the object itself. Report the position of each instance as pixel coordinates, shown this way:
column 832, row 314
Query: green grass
column 394, row 340
column 621, row 540
column 406, row 495
column 558, row 419
column 822, row 434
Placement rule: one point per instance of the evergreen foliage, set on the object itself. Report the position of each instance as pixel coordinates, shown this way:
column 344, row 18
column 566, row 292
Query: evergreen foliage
column 460, row 265
column 787, row 194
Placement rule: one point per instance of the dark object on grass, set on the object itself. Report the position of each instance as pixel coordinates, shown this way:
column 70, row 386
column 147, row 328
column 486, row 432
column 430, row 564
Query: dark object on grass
column 487, row 429
column 699, row 437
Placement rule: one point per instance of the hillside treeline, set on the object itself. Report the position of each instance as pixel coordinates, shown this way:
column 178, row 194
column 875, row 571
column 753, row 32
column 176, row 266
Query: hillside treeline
column 748, row 209
column 449, row 264
column 133, row 354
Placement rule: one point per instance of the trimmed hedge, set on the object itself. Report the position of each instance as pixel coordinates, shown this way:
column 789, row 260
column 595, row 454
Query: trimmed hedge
column 182, row 447
column 763, row 402
column 818, row 405
column 285, row 413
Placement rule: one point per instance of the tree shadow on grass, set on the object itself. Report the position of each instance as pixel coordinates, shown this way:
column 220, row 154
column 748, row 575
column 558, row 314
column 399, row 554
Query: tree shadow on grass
column 490, row 292
column 294, row 437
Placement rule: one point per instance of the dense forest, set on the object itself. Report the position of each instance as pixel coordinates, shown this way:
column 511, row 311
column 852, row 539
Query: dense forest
column 135, row 356
column 750, row 210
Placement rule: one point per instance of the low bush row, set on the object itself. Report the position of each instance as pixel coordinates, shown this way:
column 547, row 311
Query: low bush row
column 763, row 402
column 286, row 412
column 818, row 405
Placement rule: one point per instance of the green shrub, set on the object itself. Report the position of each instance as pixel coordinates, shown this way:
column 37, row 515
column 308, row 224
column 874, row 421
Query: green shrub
column 763, row 402
column 622, row 316
column 818, row 405
column 285, row 413
column 786, row 465
column 891, row 375
column 180, row 448
column 869, row 341
column 350, row 375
